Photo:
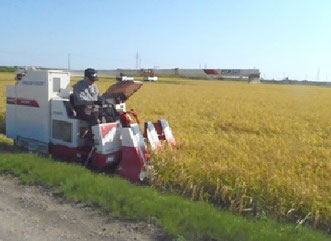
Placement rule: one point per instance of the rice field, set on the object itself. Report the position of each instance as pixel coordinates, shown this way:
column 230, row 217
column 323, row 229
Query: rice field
column 255, row 149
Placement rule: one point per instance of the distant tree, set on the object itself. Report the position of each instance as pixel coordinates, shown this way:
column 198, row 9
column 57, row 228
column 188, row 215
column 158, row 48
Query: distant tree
column 8, row 68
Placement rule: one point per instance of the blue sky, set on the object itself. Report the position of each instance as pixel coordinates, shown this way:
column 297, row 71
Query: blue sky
column 281, row 38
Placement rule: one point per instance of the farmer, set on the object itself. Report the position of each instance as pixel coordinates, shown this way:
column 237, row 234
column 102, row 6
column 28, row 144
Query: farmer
column 86, row 96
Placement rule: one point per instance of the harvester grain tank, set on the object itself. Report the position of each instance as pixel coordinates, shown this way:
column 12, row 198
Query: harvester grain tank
column 41, row 116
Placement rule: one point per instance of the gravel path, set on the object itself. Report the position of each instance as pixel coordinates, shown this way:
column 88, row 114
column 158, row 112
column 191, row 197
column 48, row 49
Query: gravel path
column 33, row 213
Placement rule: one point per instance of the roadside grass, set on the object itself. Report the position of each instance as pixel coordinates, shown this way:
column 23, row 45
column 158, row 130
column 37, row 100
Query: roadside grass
column 180, row 218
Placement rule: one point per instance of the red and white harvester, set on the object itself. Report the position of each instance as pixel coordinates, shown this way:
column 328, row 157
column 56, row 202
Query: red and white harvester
column 40, row 116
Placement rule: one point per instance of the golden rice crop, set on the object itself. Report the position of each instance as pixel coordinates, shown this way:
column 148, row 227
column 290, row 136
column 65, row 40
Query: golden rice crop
column 248, row 147
column 252, row 148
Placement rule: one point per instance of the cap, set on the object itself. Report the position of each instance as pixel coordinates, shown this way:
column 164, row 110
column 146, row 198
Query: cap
column 91, row 74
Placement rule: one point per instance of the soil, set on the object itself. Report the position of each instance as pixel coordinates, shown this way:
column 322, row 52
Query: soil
column 35, row 213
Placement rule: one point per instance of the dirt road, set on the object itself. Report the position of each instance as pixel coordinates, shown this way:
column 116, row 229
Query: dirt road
column 33, row 213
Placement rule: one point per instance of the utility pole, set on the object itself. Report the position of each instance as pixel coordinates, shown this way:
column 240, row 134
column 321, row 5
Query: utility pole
column 69, row 61
column 137, row 60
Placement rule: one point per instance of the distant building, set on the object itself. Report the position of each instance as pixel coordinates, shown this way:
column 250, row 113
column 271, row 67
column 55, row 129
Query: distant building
column 251, row 75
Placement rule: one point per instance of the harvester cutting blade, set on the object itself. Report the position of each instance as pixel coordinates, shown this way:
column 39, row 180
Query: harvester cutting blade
column 121, row 91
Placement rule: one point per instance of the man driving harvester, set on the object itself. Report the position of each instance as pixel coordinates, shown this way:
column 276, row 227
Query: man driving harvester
column 86, row 96
column 87, row 101
column 89, row 105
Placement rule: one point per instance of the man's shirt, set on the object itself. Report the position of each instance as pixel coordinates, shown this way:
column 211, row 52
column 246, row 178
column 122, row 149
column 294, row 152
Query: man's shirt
column 85, row 94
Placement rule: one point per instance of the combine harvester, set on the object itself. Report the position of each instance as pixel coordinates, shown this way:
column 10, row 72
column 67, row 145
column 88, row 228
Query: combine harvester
column 123, row 77
column 41, row 116
column 149, row 75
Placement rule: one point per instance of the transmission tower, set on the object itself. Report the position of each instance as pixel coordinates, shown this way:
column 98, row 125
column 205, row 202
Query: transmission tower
column 318, row 74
